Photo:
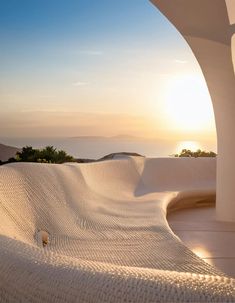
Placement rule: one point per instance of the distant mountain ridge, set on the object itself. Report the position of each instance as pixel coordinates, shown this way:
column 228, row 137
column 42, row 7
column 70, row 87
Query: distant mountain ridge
column 7, row 152
column 117, row 137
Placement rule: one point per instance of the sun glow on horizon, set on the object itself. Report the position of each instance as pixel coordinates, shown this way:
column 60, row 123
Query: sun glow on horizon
column 192, row 145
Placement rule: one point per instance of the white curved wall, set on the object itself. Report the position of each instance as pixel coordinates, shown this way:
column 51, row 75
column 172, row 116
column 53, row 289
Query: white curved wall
column 207, row 26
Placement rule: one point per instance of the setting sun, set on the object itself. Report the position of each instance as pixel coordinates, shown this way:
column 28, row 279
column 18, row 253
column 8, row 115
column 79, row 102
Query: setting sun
column 187, row 104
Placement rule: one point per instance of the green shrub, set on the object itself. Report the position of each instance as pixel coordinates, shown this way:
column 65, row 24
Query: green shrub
column 195, row 154
column 49, row 154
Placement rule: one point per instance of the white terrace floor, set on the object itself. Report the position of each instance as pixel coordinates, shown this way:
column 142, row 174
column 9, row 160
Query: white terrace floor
column 212, row 240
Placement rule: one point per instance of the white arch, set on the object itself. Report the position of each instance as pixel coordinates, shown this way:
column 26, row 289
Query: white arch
column 207, row 27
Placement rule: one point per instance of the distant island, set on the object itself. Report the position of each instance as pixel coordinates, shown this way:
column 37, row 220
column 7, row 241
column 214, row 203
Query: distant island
column 117, row 137
column 110, row 157
column 7, row 152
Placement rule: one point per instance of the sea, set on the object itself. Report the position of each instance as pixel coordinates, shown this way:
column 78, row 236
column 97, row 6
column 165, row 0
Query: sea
column 97, row 147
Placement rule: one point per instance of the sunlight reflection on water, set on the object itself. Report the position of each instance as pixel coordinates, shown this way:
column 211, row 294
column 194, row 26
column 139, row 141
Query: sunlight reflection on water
column 192, row 145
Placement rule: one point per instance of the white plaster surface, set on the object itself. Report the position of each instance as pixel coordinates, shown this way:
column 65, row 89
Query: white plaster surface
column 106, row 233
column 208, row 27
column 212, row 240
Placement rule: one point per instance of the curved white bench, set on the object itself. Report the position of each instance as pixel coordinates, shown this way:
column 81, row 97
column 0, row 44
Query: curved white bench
column 98, row 232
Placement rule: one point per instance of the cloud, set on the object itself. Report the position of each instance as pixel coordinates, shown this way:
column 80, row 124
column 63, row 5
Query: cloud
column 80, row 83
column 91, row 52
column 73, row 123
column 180, row 61
column 46, row 96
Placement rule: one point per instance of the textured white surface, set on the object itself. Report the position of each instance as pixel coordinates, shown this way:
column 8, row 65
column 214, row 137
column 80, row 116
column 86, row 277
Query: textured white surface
column 108, row 238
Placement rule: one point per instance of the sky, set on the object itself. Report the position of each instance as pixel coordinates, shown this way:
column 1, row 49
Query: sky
column 105, row 68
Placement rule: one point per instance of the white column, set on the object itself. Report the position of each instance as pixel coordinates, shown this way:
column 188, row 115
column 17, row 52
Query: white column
column 205, row 26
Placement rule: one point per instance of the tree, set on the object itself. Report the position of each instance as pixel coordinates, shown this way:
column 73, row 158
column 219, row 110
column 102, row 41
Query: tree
column 49, row 154
column 28, row 154
column 62, row 157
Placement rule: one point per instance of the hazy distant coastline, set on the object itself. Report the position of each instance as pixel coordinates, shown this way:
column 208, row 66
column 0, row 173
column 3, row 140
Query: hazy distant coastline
column 118, row 137
column 95, row 147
